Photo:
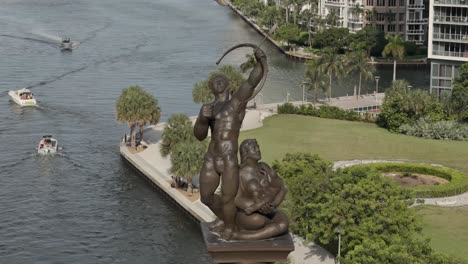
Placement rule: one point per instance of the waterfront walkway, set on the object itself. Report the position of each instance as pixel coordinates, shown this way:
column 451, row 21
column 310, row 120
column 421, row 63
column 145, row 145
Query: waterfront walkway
column 157, row 169
column 344, row 102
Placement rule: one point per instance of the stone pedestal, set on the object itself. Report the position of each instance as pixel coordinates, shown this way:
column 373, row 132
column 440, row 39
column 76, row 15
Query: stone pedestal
column 247, row 252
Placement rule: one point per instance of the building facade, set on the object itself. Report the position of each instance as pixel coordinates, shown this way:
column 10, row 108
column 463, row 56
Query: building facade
column 448, row 41
column 403, row 17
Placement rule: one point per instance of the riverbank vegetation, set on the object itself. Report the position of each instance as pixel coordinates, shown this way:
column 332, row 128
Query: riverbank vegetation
column 137, row 108
column 185, row 151
column 298, row 24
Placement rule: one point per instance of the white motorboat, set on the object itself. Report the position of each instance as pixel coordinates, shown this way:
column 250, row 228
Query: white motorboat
column 47, row 145
column 67, row 45
column 23, row 97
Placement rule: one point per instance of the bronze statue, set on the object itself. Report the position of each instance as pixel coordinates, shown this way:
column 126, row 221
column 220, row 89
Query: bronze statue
column 260, row 192
column 247, row 206
column 224, row 117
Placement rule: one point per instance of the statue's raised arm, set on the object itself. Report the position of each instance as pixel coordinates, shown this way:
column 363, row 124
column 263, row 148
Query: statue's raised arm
column 259, row 72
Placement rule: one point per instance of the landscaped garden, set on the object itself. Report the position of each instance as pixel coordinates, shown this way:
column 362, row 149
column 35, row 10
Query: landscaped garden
column 446, row 226
column 347, row 140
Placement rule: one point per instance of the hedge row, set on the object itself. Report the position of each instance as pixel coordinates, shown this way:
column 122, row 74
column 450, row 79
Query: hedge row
column 458, row 181
column 324, row 111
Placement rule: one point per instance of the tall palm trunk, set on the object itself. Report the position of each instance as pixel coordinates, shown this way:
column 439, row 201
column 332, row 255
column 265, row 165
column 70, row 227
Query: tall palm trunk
column 132, row 134
column 315, row 92
column 330, row 87
column 141, row 132
column 394, row 70
column 287, row 15
column 360, row 81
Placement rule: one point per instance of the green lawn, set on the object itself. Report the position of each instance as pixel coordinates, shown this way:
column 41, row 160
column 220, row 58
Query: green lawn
column 344, row 140
column 447, row 228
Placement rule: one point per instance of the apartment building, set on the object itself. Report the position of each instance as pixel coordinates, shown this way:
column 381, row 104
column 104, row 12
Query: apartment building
column 448, row 41
column 404, row 17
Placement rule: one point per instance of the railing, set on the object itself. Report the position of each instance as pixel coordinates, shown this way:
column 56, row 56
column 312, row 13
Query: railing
column 451, row 2
column 416, row 6
column 447, row 36
column 450, row 53
column 415, row 31
column 338, row 3
column 355, row 20
column 451, row 19
column 416, row 21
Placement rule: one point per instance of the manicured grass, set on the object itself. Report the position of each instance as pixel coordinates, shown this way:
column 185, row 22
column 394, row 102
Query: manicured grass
column 446, row 226
column 345, row 140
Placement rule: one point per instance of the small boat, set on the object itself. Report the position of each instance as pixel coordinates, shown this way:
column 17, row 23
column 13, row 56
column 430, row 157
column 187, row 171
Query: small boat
column 66, row 44
column 23, row 97
column 47, row 145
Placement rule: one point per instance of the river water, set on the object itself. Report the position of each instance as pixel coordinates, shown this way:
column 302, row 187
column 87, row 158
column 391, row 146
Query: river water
column 87, row 205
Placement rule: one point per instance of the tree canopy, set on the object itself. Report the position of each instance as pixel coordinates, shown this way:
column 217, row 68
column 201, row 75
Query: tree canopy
column 201, row 92
column 178, row 129
column 137, row 107
column 459, row 97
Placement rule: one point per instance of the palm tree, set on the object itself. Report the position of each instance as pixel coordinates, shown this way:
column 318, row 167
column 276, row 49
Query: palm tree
column 178, row 129
column 359, row 62
column 333, row 65
column 187, row 159
column 150, row 112
column 201, row 92
column 316, row 76
column 395, row 48
column 137, row 107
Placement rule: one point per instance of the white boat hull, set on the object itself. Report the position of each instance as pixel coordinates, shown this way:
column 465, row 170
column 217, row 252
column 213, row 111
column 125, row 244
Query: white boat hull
column 21, row 102
column 48, row 148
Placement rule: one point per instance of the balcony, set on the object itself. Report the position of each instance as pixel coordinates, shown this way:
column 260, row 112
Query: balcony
column 355, row 20
column 451, row 2
column 416, row 21
column 451, row 20
column 414, row 31
column 447, row 36
column 415, row 6
column 450, row 54
column 335, row 3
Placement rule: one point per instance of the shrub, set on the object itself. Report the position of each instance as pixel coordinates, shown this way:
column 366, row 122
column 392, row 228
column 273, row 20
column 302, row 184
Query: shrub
column 458, row 181
column 436, row 130
column 323, row 111
column 410, row 48
column 287, row 108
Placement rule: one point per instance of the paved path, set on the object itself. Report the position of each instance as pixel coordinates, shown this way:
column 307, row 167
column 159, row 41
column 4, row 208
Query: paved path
column 457, row 200
column 157, row 169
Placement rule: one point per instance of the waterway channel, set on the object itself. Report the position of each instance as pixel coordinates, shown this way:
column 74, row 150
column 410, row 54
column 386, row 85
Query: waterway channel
column 87, row 205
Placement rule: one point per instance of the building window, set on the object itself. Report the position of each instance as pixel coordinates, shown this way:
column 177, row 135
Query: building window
column 380, row 2
column 370, row 2
column 380, row 17
column 391, row 2
column 391, row 28
column 401, row 16
column 391, row 17
column 402, row 2
column 401, row 28
column 380, row 28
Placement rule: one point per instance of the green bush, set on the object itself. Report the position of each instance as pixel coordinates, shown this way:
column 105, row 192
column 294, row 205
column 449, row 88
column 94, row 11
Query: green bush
column 421, row 51
column 410, row 48
column 303, row 38
column 287, row 108
column 323, row 111
column 458, row 181
column 451, row 130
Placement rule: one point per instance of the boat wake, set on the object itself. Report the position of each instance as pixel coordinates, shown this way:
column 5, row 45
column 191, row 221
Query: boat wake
column 112, row 59
column 48, row 42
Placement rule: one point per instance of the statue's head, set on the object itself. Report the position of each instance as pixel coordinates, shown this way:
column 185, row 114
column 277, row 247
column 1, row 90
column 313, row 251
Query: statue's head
column 218, row 83
column 249, row 149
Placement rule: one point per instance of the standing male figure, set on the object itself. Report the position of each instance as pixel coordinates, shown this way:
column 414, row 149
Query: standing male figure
column 224, row 117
